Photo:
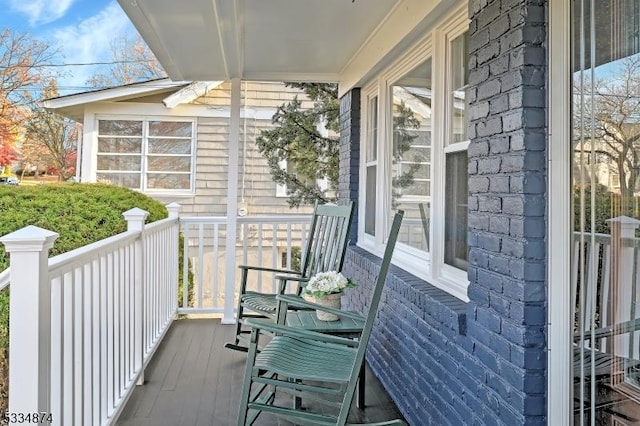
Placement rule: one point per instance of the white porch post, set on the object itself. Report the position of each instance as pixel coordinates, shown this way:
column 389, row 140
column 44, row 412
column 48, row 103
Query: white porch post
column 30, row 327
column 232, row 202
column 174, row 213
column 135, row 222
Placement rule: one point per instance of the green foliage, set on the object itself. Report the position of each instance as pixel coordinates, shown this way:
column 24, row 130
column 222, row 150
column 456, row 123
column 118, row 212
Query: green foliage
column 607, row 205
column 405, row 125
column 297, row 140
column 80, row 213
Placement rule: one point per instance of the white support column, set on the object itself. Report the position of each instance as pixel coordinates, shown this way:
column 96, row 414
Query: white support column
column 135, row 222
column 232, row 202
column 30, row 327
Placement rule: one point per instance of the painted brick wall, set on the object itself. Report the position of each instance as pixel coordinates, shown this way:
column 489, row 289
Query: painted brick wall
column 482, row 362
column 350, row 154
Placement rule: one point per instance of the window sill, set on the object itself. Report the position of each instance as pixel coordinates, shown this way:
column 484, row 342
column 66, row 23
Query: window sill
column 428, row 301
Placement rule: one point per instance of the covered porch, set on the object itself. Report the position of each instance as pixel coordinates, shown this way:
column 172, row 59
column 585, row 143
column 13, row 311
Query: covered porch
column 193, row 380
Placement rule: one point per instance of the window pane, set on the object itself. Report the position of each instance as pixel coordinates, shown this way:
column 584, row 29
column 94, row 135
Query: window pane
column 120, row 145
column 372, row 143
column 168, row 181
column 370, row 207
column 120, row 127
column 460, row 79
column 169, row 164
column 127, row 180
column 456, row 210
column 169, row 146
column 170, row 128
column 119, row 162
column 411, row 161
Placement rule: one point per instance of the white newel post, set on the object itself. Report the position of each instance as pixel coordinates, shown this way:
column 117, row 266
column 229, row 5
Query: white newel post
column 30, row 326
column 627, row 304
column 174, row 210
column 174, row 213
column 135, row 222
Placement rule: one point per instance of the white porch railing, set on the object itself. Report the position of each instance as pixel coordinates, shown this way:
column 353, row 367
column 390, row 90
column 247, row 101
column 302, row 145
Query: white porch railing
column 271, row 241
column 604, row 289
column 85, row 323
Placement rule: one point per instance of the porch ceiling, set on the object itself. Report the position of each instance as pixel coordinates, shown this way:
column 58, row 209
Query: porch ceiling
column 281, row 40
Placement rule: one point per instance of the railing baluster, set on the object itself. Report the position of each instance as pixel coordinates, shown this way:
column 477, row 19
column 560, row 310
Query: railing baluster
column 67, row 347
column 200, row 263
column 57, row 325
column 185, row 266
column 78, row 342
column 216, row 262
column 274, row 255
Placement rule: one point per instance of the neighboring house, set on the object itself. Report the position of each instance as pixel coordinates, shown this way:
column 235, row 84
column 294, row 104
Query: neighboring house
column 489, row 323
column 170, row 140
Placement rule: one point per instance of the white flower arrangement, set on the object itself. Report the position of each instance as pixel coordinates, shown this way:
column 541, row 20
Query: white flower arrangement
column 330, row 282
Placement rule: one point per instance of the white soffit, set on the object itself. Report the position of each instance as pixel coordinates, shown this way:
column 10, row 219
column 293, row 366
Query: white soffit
column 280, row 40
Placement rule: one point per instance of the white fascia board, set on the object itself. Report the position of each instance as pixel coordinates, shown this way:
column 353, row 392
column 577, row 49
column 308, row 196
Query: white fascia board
column 406, row 22
column 112, row 94
column 189, row 93
column 188, row 110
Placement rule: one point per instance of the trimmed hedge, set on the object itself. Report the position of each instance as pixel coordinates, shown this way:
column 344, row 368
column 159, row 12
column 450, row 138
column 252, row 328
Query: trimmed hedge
column 80, row 213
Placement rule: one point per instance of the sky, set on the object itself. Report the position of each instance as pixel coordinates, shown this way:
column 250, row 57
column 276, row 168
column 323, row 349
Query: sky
column 82, row 30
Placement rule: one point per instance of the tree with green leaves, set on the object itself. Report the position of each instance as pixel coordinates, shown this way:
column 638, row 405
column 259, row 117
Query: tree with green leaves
column 306, row 140
column 300, row 141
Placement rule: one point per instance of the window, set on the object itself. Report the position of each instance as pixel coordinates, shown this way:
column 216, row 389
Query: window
column 414, row 151
column 456, row 183
column 371, row 166
column 154, row 155
column 410, row 110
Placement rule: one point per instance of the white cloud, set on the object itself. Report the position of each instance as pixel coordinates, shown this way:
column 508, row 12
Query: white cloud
column 89, row 41
column 41, row 12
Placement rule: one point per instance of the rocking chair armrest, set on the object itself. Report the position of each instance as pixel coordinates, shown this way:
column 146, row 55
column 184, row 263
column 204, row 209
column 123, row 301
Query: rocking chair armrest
column 283, row 279
column 301, row 303
column 283, row 330
column 267, row 269
column 297, row 278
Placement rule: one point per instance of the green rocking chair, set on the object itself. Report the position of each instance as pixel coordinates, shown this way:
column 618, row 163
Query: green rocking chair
column 324, row 251
column 308, row 365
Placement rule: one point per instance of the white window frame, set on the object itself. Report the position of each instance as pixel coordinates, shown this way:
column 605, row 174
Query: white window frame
column 560, row 320
column 426, row 265
column 145, row 119
column 368, row 95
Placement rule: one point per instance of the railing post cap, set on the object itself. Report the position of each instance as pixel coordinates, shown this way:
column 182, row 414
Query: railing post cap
column 624, row 220
column 29, row 238
column 173, row 209
column 135, row 213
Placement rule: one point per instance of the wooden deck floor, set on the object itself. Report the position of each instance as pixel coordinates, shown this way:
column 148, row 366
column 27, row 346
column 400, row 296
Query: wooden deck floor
column 194, row 380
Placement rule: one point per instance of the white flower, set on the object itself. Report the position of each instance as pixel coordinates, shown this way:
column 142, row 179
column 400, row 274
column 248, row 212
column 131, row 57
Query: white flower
column 324, row 283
